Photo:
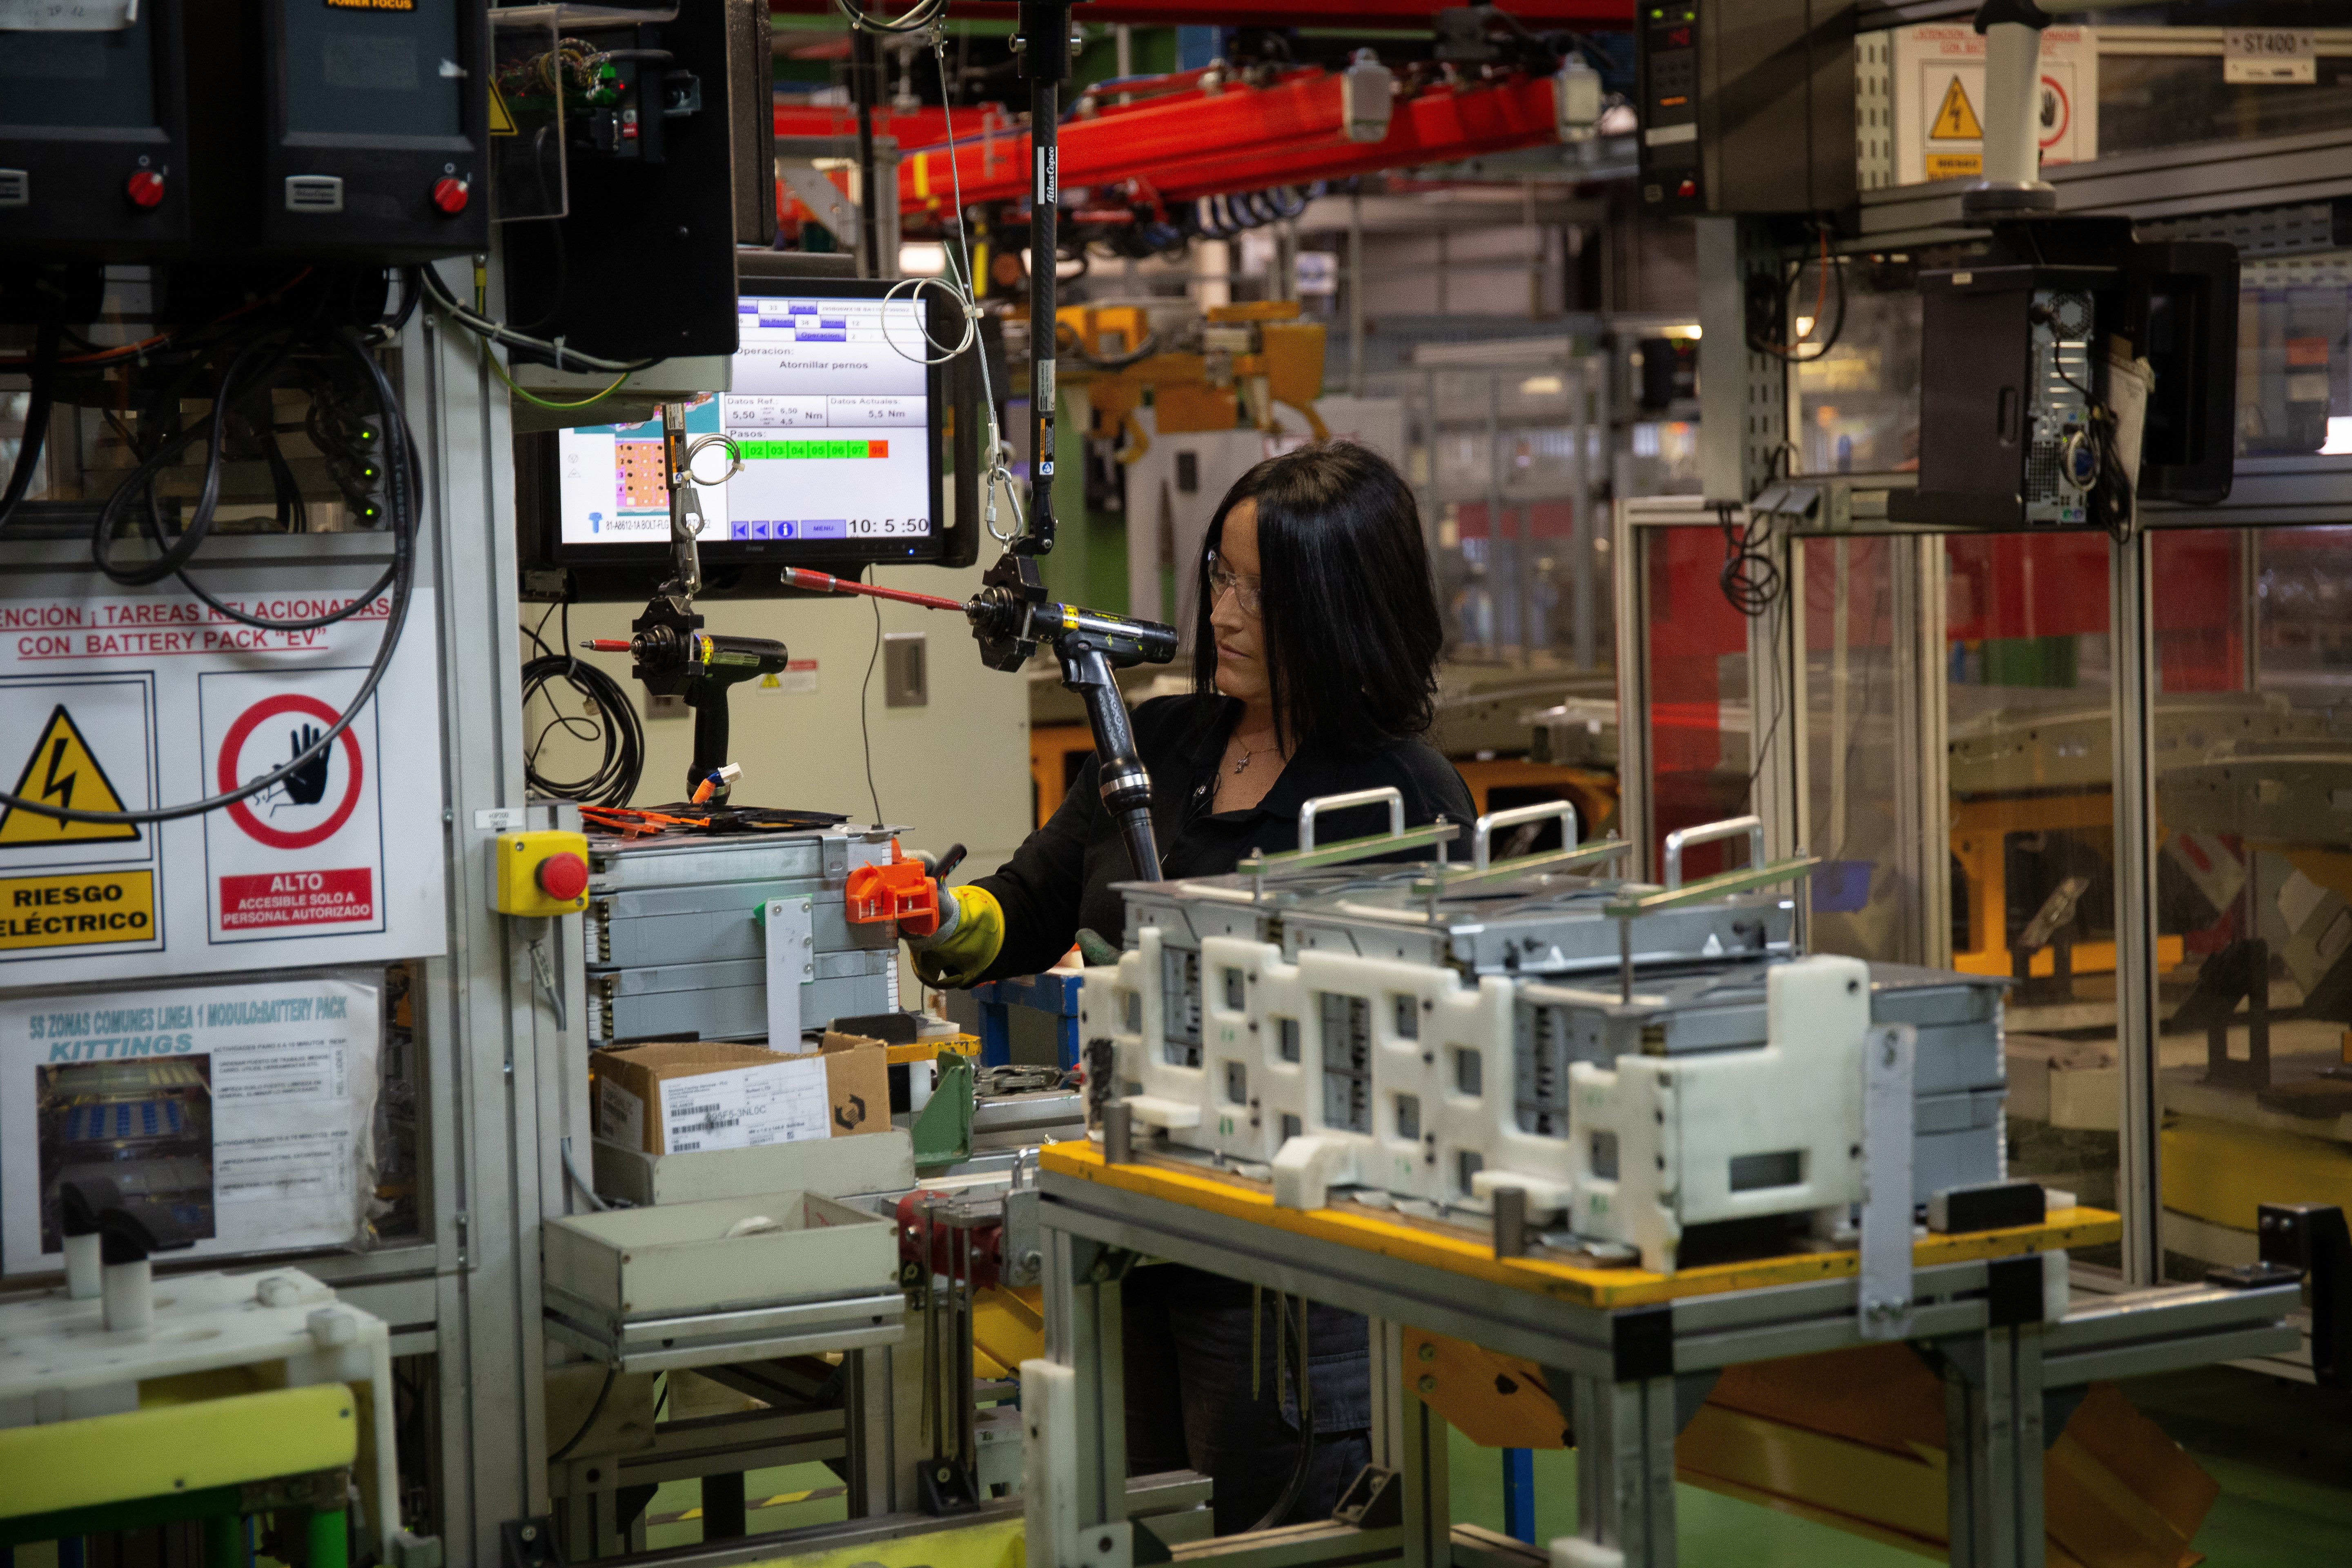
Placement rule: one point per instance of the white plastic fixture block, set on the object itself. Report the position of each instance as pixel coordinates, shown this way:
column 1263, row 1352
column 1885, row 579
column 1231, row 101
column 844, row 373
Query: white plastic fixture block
column 1432, row 1116
column 62, row 1363
column 1662, row 1143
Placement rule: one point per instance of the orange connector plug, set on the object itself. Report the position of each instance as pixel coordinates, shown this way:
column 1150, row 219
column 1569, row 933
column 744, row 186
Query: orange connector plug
column 900, row 890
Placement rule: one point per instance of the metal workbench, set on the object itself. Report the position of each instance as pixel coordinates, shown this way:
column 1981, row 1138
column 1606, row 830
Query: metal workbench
column 1639, row 1351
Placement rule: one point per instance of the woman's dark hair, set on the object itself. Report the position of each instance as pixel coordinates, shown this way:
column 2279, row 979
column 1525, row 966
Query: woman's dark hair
column 1352, row 627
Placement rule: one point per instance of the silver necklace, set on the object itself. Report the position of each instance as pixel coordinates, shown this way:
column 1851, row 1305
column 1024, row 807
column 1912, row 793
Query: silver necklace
column 1248, row 755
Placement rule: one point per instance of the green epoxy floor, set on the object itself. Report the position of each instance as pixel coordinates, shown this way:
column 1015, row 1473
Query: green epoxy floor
column 2281, row 1453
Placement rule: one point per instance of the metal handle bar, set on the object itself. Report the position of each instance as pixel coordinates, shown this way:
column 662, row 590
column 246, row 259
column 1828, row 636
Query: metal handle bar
column 1518, row 816
column 1710, row 833
column 1395, row 798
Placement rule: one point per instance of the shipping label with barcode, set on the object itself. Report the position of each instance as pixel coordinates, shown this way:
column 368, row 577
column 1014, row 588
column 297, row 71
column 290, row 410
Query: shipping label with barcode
column 777, row 1102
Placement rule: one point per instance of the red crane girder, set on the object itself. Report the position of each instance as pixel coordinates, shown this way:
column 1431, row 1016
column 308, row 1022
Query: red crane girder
column 1130, row 140
column 1440, row 125
column 1242, row 139
column 914, row 128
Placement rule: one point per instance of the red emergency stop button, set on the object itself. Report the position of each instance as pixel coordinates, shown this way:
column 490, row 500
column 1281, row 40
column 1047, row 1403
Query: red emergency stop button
column 450, row 193
column 144, row 188
column 562, row 876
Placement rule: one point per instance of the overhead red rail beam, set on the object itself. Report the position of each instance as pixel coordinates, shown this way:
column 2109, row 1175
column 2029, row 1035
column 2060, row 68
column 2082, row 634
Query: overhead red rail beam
column 1277, row 13
column 1302, row 116
column 913, row 128
column 1243, row 138
column 1440, row 125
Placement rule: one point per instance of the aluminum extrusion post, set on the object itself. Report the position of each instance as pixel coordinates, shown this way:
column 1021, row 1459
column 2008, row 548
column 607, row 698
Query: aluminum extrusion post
column 1078, row 1512
column 1045, row 45
column 1993, row 1435
column 1625, row 1466
column 868, row 1430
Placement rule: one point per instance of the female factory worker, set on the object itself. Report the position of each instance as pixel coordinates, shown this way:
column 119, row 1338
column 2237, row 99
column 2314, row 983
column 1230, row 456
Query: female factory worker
column 1315, row 648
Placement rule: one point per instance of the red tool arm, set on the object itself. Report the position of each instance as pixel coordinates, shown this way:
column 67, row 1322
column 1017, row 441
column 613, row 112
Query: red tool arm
column 826, row 582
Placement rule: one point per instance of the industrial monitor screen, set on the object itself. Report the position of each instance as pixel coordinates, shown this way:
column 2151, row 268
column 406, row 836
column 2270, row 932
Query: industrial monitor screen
column 836, row 419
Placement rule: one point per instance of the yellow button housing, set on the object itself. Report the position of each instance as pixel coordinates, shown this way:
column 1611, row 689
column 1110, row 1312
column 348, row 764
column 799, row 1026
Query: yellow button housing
column 525, row 874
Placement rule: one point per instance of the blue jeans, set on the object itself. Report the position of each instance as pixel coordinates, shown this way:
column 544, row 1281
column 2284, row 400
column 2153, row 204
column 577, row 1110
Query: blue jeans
column 1189, row 1403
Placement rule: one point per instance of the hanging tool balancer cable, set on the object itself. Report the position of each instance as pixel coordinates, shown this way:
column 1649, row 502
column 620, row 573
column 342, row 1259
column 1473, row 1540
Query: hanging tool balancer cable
column 1045, row 45
column 404, row 491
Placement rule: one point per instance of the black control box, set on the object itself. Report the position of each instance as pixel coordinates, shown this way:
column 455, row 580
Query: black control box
column 339, row 128
column 93, row 141
column 1746, row 105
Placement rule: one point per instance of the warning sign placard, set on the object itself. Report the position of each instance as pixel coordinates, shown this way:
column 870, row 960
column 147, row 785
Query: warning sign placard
column 1956, row 117
column 1939, row 106
column 307, row 854
column 67, row 888
column 62, row 768
column 128, row 703
column 81, row 908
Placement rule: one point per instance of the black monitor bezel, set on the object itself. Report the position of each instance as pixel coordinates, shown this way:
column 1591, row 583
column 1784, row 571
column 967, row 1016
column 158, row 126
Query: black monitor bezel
column 728, row 558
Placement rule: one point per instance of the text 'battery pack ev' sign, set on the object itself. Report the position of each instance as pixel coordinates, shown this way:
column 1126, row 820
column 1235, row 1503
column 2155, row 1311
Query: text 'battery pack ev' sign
column 127, row 703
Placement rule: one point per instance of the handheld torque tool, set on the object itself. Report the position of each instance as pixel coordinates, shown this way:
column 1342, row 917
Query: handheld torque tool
column 675, row 658
column 1010, row 617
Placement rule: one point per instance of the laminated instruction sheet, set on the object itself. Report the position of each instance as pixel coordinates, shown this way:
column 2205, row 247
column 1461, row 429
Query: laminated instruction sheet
column 244, row 1109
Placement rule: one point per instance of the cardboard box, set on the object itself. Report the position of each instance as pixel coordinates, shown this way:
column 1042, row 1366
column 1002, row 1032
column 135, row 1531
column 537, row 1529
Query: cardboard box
column 858, row 1083
column 680, row 1097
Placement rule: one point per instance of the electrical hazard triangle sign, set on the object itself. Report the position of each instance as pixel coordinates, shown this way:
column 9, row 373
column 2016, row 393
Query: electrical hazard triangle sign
column 1956, row 117
column 62, row 770
column 502, row 120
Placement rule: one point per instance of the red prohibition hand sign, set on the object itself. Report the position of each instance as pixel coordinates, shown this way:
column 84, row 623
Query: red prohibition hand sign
column 241, row 813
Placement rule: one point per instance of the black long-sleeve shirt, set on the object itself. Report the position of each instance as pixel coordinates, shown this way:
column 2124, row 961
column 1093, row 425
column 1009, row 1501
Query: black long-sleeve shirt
column 1060, row 880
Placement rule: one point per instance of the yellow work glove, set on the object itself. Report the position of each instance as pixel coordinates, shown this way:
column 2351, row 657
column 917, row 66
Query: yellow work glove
column 970, row 935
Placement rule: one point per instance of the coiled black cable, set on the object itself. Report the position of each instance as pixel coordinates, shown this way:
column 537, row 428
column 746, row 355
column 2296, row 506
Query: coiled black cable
column 1751, row 578
column 614, row 781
